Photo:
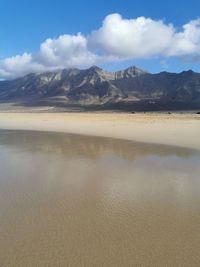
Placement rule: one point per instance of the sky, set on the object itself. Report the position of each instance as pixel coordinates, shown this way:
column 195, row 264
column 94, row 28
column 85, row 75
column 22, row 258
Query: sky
column 43, row 35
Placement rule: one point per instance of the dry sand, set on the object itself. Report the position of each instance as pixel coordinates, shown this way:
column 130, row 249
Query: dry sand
column 169, row 129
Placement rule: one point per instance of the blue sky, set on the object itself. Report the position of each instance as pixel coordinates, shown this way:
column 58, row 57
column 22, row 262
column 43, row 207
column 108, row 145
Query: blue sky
column 26, row 24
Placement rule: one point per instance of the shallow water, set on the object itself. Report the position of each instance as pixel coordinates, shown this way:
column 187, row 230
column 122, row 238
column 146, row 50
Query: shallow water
column 69, row 200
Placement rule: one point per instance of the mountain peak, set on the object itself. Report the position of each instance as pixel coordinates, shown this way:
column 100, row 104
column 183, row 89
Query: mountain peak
column 130, row 72
column 188, row 71
column 95, row 68
column 135, row 70
column 127, row 89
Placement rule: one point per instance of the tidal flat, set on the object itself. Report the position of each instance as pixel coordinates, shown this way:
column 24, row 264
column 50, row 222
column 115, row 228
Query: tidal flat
column 75, row 200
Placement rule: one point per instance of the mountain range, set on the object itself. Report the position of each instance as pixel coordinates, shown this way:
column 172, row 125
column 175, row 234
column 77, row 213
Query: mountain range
column 132, row 89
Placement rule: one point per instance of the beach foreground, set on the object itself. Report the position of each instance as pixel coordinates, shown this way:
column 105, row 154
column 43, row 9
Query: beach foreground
column 169, row 129
column 75, row 200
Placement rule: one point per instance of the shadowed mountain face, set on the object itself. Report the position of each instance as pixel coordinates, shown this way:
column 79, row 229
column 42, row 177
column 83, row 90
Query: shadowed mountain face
column 94, row 88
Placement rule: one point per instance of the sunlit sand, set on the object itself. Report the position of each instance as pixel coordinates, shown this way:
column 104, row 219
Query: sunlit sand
column 170, row 129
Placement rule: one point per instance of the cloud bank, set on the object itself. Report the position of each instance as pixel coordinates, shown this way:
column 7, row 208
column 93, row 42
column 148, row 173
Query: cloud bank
column 118, row 39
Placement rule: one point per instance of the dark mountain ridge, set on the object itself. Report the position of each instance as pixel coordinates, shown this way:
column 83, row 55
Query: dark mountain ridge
column 94, row 88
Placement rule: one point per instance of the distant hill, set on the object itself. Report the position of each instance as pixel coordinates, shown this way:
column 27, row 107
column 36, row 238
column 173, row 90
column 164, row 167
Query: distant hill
column 132, row 89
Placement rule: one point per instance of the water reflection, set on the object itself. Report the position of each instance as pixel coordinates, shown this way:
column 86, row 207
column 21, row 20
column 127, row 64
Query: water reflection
column 86, row 146
column 69, row 200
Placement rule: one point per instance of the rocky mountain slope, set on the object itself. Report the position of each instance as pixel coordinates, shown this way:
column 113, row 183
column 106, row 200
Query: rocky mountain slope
column 94, row 88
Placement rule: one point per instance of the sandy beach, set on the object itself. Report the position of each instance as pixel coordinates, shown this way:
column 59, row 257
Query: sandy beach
column 170, row 129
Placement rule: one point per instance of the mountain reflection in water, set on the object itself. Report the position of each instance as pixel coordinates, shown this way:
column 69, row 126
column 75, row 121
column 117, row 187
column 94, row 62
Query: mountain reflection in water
column 70, row 200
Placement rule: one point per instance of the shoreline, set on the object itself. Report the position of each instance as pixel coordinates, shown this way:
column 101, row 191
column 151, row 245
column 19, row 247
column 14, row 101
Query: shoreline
column 182, row 130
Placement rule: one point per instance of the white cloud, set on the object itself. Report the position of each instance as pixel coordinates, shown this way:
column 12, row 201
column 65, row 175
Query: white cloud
column 142, row 38
column 186, row 42
column 16, row 64
column 133, row 38
column 64, row 52
column 116, row 39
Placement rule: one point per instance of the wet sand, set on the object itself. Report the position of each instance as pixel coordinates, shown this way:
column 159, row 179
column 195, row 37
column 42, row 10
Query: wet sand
column 72, row 200
column 170, row 129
